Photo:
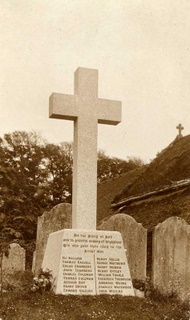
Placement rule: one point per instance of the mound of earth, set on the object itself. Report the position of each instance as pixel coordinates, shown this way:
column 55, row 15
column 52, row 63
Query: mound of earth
column 170, row 165
column 107, row 191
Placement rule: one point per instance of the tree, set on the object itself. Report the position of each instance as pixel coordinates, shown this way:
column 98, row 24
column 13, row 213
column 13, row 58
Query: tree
column 22, row 174
column 135, row 162
column 111, row 167
column 58, row 162
column 36, row 175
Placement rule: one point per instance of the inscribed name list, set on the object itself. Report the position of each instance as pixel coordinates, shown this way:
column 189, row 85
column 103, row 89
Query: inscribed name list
column 93, row 262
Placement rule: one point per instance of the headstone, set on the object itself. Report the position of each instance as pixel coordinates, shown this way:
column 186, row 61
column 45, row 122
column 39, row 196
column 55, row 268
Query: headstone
column 86, row 110
column 134, row 237
column 171, row 257
column 15, row 261
column 34, row 262
column 88, row 263
column 58, row 218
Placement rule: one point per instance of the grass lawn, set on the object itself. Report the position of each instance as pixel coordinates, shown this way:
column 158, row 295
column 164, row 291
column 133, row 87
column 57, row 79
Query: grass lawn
column 18, row 302
column 34, row 306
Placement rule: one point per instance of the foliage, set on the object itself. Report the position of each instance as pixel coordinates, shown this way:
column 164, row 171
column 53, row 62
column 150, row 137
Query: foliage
column 4, row 251
column 21, row 174
column 35, row 176
column 4, row 246
column 139, row 284
column 135, row 162
column 111, row 167
column 17, row 282
column 58, row 164
column 43, row 282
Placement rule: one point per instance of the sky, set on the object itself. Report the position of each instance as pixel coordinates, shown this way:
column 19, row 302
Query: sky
column 141, row 49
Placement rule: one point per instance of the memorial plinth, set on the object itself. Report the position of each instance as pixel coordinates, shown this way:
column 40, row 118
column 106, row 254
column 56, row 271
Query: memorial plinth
column 88, row 263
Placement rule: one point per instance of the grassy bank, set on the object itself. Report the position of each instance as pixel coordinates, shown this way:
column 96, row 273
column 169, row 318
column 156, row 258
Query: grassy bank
column 18, row 302
column 33, row 306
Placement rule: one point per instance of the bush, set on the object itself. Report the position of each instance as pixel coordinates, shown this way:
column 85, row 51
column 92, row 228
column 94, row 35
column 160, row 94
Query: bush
column 19, row 281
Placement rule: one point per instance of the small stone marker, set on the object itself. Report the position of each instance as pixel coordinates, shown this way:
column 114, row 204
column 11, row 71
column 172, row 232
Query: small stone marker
column 15, row 260
column 88, row 263
column 180, row 128
column 86, row 110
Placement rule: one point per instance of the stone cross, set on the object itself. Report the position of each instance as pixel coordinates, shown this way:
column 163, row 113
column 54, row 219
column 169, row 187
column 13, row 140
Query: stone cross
column 86, row 110
column 180, row 128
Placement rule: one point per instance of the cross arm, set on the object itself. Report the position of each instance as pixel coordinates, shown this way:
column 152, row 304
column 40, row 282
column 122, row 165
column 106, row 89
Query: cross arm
column 109, row 111
column 63, row 106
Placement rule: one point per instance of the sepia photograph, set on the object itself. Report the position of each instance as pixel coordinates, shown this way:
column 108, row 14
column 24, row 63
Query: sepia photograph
column 95, row 159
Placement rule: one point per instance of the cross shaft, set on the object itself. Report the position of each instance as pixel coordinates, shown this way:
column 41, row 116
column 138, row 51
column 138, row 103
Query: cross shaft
column 86, row 110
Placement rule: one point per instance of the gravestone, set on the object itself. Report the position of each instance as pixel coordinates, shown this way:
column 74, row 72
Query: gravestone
column 59, row 217
column 171, row 257
column 86, row 110
column 135, row 242
column 15, row 260
column 34, row 263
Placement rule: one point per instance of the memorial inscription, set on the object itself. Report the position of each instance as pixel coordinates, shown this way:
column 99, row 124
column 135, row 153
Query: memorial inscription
column 91, row 263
